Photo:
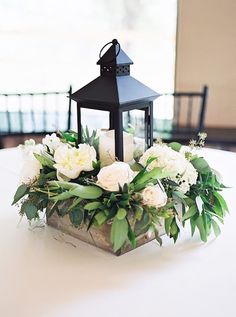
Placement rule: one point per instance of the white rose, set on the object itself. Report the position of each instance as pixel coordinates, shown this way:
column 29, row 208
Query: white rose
column 154, row 196
column 30, row 170
column 52, row 141
column 70, row 162
column 166, row 158
column 118, row 173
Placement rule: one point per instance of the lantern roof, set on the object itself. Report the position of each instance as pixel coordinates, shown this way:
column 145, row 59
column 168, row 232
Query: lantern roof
column 114, row 86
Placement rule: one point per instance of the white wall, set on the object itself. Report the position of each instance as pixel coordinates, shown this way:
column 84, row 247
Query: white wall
column 206, row 54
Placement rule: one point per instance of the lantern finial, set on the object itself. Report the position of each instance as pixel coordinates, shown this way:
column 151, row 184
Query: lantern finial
column 114, row 62
column 114, row 42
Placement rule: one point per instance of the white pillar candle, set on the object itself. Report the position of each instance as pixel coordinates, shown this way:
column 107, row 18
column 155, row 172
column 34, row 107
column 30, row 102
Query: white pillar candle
column 107, row 147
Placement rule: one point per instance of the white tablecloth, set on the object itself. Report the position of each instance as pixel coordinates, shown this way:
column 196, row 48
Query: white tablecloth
column 42, row 275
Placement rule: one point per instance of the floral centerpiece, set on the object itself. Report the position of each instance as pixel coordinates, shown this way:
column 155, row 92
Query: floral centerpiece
column 157, row 192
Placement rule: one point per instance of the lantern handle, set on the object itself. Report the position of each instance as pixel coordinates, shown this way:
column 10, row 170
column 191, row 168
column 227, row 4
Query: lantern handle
column 114, row 42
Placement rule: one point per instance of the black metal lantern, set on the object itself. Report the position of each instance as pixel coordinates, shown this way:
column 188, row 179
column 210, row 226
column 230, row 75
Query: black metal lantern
column 117, row 92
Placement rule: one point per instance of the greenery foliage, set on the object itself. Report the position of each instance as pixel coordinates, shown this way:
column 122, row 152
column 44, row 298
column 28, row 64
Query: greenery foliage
column 88, row 205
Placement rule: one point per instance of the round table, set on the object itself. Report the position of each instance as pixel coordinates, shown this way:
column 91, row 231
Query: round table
column 43, row 273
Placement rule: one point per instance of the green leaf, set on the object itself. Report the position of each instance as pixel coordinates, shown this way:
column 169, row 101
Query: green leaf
column 192, row 210
column 121, row 213
column 131, row 237
column 52, row 174
column 193, row 225
column 201, row 228
column 42, row 180
column 142, row 225
column 62, row 196
column 175, row 146
column 70, row 137
column 76, row 216
column 199, row 203
column 29, row 210
column 112, row 198
column 221, row 201
column 21, row 191
column 138, row 212
column 45, row 160
column 216, row 228
column 201, row 165
column 158, row 238
column 75, row 203
column 179, row 194
column 168, row 222
column 93, row 205
column 139, row 187
column 62, row 208
column 189, row 201
column 92, row 220
column 62, row 184
column 150, row 160
column 87, row 192
column 100, row 217
column 217, row 208
column 155, row 173
column 136, row 167
column 119, row 233
column 173, row 228
column 171, row 183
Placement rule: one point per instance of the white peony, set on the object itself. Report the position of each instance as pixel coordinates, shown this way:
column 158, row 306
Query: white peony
column 118, row 173
column 52, row 141
column 154, row 196
column 71, row 161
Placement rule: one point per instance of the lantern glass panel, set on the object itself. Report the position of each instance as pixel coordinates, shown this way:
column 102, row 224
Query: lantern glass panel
column 134, row 120
column 94, row 119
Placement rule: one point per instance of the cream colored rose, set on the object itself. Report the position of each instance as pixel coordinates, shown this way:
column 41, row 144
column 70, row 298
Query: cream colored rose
column 154, row 196
column 118, row 173
column 71, row 161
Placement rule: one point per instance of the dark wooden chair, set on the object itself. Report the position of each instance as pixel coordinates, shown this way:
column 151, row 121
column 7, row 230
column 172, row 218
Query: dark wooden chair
column 25, row 115
column 188, row 115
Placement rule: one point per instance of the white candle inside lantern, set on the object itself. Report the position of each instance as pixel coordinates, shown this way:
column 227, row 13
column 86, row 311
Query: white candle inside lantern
column 107, row 147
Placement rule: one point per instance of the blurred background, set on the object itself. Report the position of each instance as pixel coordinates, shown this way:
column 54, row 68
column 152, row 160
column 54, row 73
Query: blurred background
column 178, row 47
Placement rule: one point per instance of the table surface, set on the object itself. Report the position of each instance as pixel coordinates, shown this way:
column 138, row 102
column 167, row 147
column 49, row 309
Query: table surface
column 45, row 274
